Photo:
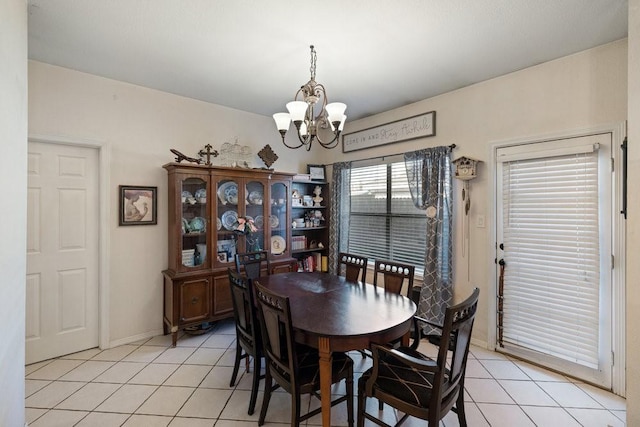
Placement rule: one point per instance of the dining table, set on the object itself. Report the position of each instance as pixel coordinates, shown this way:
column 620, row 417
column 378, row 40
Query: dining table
column 335, row 315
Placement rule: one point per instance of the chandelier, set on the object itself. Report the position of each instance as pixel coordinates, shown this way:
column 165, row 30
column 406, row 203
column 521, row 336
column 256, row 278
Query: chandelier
column 304, row 117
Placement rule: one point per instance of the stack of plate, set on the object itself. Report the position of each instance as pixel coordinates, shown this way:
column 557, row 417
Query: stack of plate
column 187, row 257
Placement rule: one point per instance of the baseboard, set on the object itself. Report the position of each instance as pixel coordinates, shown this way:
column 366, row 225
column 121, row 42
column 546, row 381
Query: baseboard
column 481, row 343
column 134, row 338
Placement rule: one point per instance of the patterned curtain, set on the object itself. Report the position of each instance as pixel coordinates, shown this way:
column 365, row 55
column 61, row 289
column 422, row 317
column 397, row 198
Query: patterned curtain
column 340, row 207
column 429, row 176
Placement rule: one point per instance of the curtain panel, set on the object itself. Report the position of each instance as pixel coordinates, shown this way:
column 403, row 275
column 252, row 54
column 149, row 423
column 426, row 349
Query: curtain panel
column 429, row 176
column 339, row 208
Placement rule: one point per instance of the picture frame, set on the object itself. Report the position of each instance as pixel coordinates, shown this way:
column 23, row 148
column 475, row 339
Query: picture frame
column 419, row 126
column 138, row 205
column 317, row 172
column 222, row 256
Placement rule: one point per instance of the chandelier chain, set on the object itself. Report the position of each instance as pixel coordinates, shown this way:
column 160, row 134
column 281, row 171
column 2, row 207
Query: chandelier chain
column 313, row 63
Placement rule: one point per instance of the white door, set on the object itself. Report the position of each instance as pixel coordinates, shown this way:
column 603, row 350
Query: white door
column 62, row 250
column 554, row 247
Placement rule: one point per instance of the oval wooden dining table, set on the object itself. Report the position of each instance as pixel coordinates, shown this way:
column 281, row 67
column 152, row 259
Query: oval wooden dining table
column 332, row 314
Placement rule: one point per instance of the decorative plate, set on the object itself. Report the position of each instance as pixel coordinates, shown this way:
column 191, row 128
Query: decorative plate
column 201, row 193
column 186, row 194
column 273, row 221
column 218, row 224
column 259, row 221
column 229, row 218
column 278, row 245
column 255, row 198
column 228, row 193
column 197, row 224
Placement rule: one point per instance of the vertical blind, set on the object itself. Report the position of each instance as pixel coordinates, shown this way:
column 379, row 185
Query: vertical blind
column 551, row 247
column 383, row 222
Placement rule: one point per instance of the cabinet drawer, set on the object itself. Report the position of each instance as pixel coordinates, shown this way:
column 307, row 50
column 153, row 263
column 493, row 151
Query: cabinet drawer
column 195, row 299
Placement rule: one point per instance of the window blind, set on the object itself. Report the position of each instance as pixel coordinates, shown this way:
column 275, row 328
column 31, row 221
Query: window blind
column 383, row 222
column 551, row 241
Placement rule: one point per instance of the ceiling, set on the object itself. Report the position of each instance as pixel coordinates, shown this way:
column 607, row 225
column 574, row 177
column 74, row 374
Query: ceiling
column 373, row 55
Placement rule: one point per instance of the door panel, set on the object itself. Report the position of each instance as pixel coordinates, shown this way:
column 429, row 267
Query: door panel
column 62, row 250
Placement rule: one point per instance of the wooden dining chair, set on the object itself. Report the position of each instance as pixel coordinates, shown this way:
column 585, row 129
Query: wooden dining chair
column 352, row 267
column 248, row 335
column 394, row 275
column 294, row 367
column 253, row 263
column 417, row 385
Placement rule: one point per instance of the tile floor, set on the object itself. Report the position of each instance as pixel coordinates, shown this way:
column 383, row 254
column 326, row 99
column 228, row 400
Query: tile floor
column 151, row 384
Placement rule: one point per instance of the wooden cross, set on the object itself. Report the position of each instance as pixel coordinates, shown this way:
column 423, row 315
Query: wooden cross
column 208, row 153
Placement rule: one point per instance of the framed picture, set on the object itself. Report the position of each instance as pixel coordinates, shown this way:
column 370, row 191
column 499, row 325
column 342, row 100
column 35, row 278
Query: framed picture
column 317, row 172
column 138, row 205
column 222, row 256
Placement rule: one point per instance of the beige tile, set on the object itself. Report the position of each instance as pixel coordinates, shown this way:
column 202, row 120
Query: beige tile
column 28, row 369
column 192, row 340
column 165, row 401
column 219, row 341
column 279, row 410
column 31, row 386
column 622, row 415
column 226, row 327
column 505, row 415
column 59, row 418
column 595, row 417
column 32, row 414
column 188, row 375
column 154, row 374
column 605, row 398
column 537, row 373
column 54, row 370
column 53, row 394
column 147, row 421
column 198, row 422
column 205, row 356
column 569, row 395
column 475, row 369
column 88, row 397
column 205, row 403
column 339, row 413
column 175, row 355
column 120, row 373
column 82, row 355
column 234, row 423
column 473, row 415
column 219, row 377
column 504, row 370
column 527, row 393
column 145, row 353
column 228, row 358
column 484, row 354
column 545, row 416
column 486, row 391
column 160, row 340
column 88, row 371
column 103, row 419
column 127, row 398
column 115, row 354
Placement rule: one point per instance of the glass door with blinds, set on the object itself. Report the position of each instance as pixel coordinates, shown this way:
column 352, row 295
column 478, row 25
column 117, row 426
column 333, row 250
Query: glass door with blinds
column 554, row 254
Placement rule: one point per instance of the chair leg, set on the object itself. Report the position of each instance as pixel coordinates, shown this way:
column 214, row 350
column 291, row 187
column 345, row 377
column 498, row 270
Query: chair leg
column 349, row 384
column 295, row 408
column 361, row 403
column 462, row 418
column 380, row 405
column 255, row 385
column 236, row 365
column 267, row 396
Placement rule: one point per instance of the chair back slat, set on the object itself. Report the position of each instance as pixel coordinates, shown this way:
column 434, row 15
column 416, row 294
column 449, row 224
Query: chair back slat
column 352, row 267
column 394, row 275
column 244, row 311
column 253, row 263
column 274, row 313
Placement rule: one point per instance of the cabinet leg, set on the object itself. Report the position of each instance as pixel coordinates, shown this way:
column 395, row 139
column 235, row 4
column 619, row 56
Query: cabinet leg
column 174, row 338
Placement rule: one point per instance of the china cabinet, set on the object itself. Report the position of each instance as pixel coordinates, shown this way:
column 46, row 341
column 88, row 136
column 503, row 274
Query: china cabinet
column 205, row 204
column 310, row 224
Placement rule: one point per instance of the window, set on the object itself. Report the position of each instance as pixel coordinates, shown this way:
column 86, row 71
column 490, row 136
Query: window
column 383, row 221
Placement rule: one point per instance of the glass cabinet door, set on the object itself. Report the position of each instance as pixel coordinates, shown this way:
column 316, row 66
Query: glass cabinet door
column 227, row 197
column 278, row 222
column 254, row 214
column 194, row 223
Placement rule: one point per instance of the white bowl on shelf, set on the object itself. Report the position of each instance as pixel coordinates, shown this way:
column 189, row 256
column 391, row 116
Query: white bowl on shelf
column 299, row 222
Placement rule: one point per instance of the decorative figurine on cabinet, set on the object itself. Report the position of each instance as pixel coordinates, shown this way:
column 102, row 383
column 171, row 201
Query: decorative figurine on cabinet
column 317, row 201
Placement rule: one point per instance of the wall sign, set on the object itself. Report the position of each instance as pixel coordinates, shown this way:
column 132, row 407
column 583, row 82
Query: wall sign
column 420, row 126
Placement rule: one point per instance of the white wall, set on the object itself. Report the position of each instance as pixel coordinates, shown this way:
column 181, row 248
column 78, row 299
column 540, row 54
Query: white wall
column 139, row 126
column 574, row 92
column 633, row 221
column 13, row 207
